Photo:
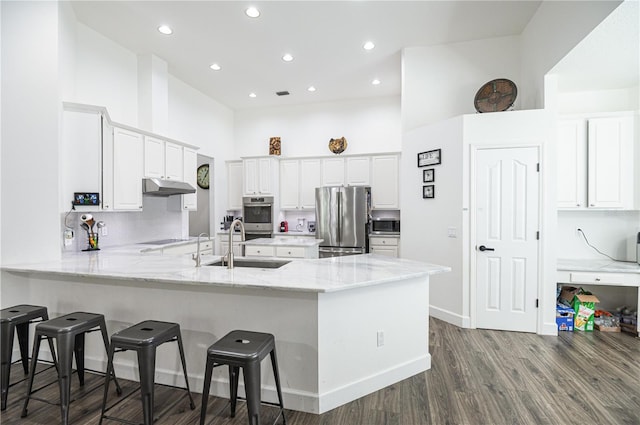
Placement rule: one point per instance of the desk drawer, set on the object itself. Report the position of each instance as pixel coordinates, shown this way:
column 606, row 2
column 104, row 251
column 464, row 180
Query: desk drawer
column 622, row 279
column 382, row 241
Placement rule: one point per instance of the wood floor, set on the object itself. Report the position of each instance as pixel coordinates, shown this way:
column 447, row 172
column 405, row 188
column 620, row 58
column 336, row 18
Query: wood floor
column 477, row 377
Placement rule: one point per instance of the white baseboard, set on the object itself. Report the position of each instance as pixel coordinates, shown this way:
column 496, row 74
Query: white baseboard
column 354, row 390
column 450, row 317
column 549, row 329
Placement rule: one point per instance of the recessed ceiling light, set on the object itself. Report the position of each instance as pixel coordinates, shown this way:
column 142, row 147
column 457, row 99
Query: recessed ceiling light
column 375, row 82
column 252, row 12
column 368, row 45
column 215, row 67
column 311, row 88
column 252, row 95
column 165, row 29
column 287, row 57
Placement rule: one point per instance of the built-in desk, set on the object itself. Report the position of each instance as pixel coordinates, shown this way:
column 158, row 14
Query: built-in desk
column 601, row 273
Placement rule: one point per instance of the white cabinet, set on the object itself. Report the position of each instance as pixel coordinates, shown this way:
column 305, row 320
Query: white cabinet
column 333, row 172
column 298, row 182
column 384, row 182
column 291, row 251
column 206, row 248
column 310, row 178
column 122, row 170
column 259, row 251
column 289, row 184
column 223, row 245
column 382, row 245
column 357, row 171
column 163, row 160
column 234, row 185
column 349, row 171
column 190, row 166
column 260, row 175
column 595, row 158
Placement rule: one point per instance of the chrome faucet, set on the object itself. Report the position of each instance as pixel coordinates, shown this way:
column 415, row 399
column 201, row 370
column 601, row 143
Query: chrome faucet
column 231, row 228
column 196, row 256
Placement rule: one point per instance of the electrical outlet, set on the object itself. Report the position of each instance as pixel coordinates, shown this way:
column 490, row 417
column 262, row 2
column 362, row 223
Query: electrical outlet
column 380, row 338
column 104, row 231
column 68, row 237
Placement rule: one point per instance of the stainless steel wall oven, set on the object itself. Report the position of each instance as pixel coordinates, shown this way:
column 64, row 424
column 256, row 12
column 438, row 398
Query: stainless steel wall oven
column 257, row 214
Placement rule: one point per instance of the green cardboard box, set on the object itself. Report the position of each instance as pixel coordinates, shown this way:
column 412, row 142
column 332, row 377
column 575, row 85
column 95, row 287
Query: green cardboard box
column 585, row 306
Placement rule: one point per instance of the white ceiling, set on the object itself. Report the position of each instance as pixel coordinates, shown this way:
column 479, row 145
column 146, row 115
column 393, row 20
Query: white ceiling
column 325, row 37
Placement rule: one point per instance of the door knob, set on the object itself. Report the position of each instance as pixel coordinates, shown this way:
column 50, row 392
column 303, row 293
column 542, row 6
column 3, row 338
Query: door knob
column 484, row 248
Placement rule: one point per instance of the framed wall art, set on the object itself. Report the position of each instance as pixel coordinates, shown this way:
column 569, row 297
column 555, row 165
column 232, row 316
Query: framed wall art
column 428, row 175
column 429, row 158
column 428, row 191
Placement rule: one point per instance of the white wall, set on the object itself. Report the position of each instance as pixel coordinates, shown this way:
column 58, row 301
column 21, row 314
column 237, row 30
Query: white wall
column 30, row 126
column 626, row 99
column 106, row 75
column 200, row 120
column 555, row 29
column 612, row 232
column 440, row 82
column 425, row 221
column 369, row 125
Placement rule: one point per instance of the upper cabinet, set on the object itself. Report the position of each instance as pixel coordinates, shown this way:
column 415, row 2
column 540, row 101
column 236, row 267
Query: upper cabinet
column 163, row 159
column 190, row 165
column 333, row 172
column 357, row 171
column 234, row 185
column 298, row 181
column 595, row 159
column 384, row 182
column 260, row 175
column 122, row 169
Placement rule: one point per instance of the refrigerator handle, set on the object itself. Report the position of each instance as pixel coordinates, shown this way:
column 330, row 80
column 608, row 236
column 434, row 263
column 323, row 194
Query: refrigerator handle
column 339, row 218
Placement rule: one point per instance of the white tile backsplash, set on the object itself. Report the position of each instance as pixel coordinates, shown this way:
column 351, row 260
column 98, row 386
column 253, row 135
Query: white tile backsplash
column 156, row 221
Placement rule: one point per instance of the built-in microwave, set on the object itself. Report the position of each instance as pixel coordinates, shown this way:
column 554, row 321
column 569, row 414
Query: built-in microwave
column 385, row 226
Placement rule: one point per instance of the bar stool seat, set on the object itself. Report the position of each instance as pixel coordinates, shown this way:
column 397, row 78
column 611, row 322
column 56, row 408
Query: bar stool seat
column 243, row 349
column 12, row 319
column 69, row 332
column 144, row 338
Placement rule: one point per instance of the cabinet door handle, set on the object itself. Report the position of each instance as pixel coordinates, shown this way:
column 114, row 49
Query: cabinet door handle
column 597, row 279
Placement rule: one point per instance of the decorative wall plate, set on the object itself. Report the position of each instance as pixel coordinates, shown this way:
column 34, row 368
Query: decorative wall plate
column 338, row 145
column 496, row 95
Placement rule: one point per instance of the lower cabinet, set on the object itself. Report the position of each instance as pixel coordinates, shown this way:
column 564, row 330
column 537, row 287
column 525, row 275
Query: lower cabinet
column 206, row 248
column 259, row 251
column 384, row 245
column 290, row 252
column 223, row 245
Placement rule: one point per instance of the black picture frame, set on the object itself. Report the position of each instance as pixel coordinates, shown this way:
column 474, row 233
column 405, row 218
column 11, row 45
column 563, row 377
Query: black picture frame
column 432, row 157
column 429, row 175
column 429, row 191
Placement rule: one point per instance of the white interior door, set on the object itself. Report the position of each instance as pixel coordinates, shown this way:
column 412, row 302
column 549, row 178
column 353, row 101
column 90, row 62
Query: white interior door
column 507, row 197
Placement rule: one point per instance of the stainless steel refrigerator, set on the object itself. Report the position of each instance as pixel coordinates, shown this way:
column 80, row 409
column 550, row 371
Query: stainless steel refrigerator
column 342, row 220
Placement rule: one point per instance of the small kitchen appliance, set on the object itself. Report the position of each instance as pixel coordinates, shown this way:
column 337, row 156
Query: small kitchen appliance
column 385, row 226
column 284, row 226
column 311, row 225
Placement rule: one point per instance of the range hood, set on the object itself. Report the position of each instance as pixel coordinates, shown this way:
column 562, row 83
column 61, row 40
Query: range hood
column 159, row 187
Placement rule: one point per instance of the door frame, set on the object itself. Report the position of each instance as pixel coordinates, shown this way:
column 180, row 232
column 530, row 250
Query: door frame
column 473, row 253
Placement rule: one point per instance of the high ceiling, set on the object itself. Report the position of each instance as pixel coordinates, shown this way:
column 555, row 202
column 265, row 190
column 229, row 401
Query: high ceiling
column 325, row 38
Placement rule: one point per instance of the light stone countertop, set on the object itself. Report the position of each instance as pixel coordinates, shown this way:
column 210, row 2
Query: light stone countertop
column 307, row 275
column 607, row 266
column 300, row 241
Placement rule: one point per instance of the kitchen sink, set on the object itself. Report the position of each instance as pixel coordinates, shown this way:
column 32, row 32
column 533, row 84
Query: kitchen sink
column 260, row 264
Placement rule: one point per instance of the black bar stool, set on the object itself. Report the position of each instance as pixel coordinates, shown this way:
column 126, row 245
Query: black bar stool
column 144, row 338
column 12, row 319
column 69, row 331
column 243, row 349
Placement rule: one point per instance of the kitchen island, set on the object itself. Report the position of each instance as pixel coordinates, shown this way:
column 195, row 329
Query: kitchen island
column 344, row 326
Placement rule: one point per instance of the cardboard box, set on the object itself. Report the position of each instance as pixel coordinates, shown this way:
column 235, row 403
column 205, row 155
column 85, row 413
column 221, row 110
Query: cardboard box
column 564, row 318
column 584, row 305
column 607, row 328
column 567, row 293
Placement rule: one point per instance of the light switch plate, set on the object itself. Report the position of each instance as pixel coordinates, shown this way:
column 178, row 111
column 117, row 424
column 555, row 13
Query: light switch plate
column 451, row 232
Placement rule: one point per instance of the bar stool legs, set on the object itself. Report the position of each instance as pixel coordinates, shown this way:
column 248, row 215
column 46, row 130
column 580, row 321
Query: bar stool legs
column 68, row 332
column 144, row 338
column 242, row 349
column 16, row 320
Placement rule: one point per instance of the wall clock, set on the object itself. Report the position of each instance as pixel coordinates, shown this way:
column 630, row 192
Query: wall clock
column 203, row 176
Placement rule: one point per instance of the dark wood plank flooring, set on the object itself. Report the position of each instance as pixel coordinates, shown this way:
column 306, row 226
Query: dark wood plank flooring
column 477, row 377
